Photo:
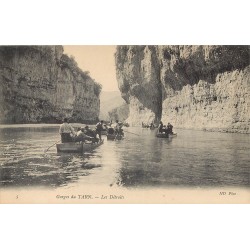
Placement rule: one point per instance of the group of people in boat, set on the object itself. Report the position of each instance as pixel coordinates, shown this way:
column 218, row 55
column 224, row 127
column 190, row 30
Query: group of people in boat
column 165, row 129
column 115, row 129
column 68, row 133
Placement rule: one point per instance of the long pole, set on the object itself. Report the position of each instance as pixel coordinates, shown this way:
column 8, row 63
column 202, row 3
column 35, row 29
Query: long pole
column 51, row 146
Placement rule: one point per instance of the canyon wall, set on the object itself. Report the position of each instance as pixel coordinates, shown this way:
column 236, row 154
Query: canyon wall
column 41, row 84
column 199, row 87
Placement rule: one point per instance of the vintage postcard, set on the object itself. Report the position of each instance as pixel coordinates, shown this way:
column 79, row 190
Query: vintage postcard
column 125, row 124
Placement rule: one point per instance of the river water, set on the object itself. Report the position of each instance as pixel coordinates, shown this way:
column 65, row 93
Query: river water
column 192, row 159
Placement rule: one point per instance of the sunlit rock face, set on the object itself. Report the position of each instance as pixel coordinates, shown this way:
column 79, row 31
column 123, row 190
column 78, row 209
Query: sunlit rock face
column 200, row 87
column 138, row 75
column 41, row 84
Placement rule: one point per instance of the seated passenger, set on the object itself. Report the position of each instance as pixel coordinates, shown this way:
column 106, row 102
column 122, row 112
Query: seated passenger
column 118, row 128
column 91, row 133
column 82, row 137
column 111, row 131
column 170, row 128
column 162, row 128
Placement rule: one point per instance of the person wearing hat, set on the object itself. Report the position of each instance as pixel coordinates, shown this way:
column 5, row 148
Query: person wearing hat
column 162, row 128
column 99, row 128
column 66, row 131
column 118, row 128
column 170, row 128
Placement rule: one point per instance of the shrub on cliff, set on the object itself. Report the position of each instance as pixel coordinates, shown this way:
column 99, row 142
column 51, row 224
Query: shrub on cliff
column 71, row 64
column 97, row 88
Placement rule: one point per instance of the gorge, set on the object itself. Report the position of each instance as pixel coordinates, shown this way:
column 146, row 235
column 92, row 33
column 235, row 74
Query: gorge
column 42, row 84
column 198, row 87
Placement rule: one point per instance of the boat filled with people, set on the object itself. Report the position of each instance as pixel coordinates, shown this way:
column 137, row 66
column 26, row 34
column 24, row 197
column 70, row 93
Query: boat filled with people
column 114, row 137
column 84, row 138
column 80, row 140
column 115, row 133
column 165, row 131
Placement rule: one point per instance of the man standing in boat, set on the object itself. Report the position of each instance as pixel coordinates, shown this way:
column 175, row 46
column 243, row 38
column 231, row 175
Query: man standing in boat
column 161, row 128
column 170, row 128
column 66, row 130
column 99, row 128
column 118, row 128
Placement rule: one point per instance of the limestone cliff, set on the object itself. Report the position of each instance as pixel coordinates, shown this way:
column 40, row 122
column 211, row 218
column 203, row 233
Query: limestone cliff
column 202, row 87
column 41, row 84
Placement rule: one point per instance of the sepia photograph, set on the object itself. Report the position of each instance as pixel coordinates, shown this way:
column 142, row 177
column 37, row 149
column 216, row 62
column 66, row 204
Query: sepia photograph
column 124, row 124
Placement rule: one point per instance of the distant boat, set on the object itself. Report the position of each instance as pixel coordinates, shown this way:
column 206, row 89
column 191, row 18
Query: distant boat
column 163, row 135
column 72, row 147
column 145, row 126
column 112, row 137
column 151, row 126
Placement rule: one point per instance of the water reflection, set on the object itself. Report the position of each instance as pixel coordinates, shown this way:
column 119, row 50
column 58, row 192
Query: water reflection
column 192, row 159
column 148, row 168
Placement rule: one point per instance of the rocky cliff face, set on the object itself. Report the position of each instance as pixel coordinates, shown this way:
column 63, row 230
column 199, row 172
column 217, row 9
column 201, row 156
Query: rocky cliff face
column 202, row 87
column 41, row 84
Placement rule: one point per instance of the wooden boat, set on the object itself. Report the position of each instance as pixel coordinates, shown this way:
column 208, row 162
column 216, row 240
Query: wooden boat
column 163, row 135
column 72, row 147
column 172, row 135
column 112, row 137
column 104, row 132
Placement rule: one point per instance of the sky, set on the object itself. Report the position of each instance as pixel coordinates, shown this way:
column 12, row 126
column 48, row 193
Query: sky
column 98, row 60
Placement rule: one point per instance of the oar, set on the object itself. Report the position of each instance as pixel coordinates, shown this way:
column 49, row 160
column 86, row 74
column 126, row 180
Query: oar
column 131, row 133
column 51, row 146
